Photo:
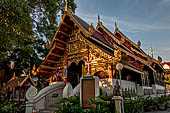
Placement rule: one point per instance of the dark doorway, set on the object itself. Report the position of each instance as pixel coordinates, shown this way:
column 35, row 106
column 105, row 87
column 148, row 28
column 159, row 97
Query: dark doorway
column 75, row 73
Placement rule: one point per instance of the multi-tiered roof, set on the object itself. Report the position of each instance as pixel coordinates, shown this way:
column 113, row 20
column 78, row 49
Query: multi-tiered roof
column 102, row 38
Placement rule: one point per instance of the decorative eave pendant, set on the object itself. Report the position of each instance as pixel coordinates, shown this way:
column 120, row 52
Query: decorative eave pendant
column 91, row 29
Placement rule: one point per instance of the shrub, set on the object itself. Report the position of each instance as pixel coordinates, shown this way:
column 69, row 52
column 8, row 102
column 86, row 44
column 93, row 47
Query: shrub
column 163, row 99
column 72, row 105
column 101, row 106
column 7, row 107
column 133, row 105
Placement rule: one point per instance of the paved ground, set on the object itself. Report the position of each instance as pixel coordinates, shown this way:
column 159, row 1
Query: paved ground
column 158, row 112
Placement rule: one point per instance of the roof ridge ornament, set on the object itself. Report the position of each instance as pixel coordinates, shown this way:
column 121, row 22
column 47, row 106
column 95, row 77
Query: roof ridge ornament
column 139, row 43
column 34, row 70
column 115, row 25
column 66, row 8
column 98, row 18
column 159, row 59
column 91, row 29
column 151, row 50
column 99, row 22
column 47, row 45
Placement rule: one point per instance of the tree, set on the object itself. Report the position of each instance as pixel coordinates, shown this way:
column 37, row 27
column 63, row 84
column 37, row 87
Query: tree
column 25, row 25
column 46, row 14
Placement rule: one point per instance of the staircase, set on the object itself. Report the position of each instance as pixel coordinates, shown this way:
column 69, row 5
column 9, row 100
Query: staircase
column 44, row 101
column 47, row 111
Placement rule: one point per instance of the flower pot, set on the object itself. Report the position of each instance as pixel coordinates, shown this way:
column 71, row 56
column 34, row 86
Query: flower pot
column 147, row 108
column 162, row 106
column 155, row 108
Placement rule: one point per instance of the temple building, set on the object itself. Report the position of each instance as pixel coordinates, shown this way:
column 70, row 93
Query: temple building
column 78, row 46
column 16, row 88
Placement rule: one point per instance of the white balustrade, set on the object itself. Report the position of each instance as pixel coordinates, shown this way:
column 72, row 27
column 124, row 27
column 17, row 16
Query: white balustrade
column 45, row 98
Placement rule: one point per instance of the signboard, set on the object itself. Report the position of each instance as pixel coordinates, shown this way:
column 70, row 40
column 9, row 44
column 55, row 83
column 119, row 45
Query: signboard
column 88, row 91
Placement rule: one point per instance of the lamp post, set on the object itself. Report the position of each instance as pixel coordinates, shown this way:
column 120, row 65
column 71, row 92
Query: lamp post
column 119, row 67
column 118, row 99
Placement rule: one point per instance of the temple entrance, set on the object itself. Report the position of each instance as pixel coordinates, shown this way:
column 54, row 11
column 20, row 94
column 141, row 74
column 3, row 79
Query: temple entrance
column 129, row 75
column 75, row 73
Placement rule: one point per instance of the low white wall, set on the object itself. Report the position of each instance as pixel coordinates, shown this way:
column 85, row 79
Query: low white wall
column 107, row 85
column 44, row 98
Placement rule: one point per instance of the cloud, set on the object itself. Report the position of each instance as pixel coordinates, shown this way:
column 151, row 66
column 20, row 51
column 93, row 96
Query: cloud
column 128, row 26
column 165, row 1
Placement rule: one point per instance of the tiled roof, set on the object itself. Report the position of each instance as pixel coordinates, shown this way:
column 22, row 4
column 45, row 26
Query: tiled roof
column 15, row 82
column 97, row 35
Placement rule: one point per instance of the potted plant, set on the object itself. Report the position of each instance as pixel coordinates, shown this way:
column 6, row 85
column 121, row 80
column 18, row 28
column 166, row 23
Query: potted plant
column 155, row 103
column 162, row 102
column 148, row 102
column 133, row 105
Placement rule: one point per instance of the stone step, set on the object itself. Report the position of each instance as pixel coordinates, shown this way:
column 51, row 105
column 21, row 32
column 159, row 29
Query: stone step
column 46, row 111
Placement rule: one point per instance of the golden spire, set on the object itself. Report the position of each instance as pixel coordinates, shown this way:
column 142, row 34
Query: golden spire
column 98, row 18
column 66, row 5
column 115, row 25
column 151, row 50
column 139, row 43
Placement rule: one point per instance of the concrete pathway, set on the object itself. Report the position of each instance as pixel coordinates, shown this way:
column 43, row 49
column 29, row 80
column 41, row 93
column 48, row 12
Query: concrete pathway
column 158, row 112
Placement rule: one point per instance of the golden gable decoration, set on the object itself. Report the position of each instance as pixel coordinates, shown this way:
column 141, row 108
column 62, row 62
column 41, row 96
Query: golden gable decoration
column 91, row 29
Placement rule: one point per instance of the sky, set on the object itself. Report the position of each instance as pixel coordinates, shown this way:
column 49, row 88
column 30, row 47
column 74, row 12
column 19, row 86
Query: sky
column 144, row 20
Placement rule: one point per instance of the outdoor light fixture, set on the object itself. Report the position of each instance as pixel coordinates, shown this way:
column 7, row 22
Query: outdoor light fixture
column 119, row 67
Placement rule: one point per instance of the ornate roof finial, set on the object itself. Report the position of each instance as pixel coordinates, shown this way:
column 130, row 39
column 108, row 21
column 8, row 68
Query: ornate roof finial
column 66, row 5
column 115, row 25
column 91, row 29
column 139, row 43
column 159, row 59
column 34, row 70
column 47, row 44
column 98, row 18
column 99, row 22
column 151, row 50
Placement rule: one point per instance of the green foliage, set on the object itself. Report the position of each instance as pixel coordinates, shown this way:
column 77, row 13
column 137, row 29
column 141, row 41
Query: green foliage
column 133, row 105
column 155, row 101
column 129, row 95
column 100, row 106
column 148, row 101
column 8, row 107
column 25, row 25
column 163, row 99
column 46, row 14
column 107, row 97
column 15, row 24
column 70, row 105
